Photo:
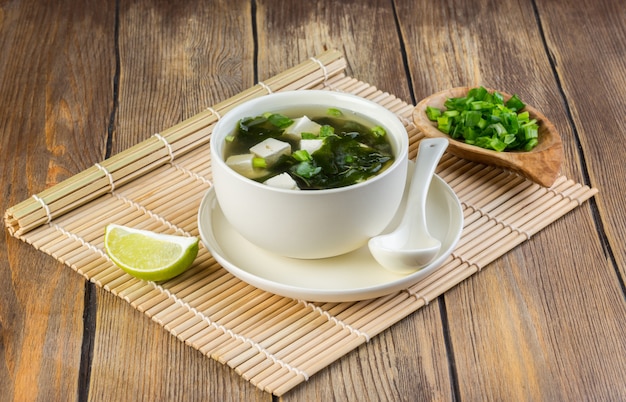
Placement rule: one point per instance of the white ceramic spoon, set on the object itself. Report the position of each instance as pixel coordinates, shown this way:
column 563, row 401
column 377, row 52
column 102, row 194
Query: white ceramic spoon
column 411, row 247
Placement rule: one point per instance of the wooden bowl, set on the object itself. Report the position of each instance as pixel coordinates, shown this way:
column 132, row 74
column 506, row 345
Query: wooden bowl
column 542, row 164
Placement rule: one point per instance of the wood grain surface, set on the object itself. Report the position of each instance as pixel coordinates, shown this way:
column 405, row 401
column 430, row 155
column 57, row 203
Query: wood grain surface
column 83, row 80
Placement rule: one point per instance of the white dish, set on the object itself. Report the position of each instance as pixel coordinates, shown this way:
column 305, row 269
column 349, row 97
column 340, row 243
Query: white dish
column 330, row 218
column 349, row 277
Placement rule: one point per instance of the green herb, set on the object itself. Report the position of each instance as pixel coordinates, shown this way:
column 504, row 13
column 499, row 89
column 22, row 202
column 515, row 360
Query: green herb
column 515, row 103
column 432, row 113
column 259, row 163
column 326, row 131
column 444, row 123
column 307, row 169
column 301, row 155
column 280, row 120
column 308, row 136
column 334, row 112
column 483, row 119
column 378, row 131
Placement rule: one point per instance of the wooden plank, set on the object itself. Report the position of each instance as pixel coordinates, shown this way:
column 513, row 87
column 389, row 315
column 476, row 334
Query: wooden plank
column 406, row 359
column 592, row 74
column 136, row 359
column 175, row 60
column 291, row 33
column 526, row 327
column 56, row 98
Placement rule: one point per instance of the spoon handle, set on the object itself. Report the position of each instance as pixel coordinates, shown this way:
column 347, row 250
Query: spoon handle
column 429, row 153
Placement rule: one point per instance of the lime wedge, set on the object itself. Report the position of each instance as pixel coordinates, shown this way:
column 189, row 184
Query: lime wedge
column 148, row 255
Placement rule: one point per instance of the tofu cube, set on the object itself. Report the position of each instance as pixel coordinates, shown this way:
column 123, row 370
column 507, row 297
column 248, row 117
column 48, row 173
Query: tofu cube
column 242, row 164
column 283, row 181
column 271, row 149
column 311, row 145
column 302, row 125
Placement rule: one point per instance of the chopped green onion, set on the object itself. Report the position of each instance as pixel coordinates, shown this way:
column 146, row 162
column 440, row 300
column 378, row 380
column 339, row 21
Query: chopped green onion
column 530, row 131
column 334, row 112
column 498, row 128
column 482, row 123
column 457, row 131
column 497, row 144
column 433, row 113
column 260, row 163
column 378, row 131
column 531, row 144
column 484, row 119
column 326, row 131
column 482, row 105
column 472, row 118
column 307, row 136
column 444, row 124
column 469, row 134
column 515, row 103
column 451, row 113
column 301, row 155
column 230, row 138
column 478, row 93
column 523, row 117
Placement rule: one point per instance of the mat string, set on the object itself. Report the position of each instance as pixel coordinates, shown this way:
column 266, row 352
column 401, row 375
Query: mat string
column 561, row 194
column 192, row 174
column 151, row 214
column 266, row 87
column 108, row 175
column 82, row 241
column 215, row 112
column 322, row 66
column 45, row 207
column 418, row 296
column 498, row 221
column 167, row 145
column 334, row 319
column 464, row 260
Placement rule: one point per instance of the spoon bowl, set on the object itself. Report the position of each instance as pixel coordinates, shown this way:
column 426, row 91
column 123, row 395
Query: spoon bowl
column 542, row 164
column 411, row 247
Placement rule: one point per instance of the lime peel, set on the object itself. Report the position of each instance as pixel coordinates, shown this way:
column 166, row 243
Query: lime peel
column 148, row 255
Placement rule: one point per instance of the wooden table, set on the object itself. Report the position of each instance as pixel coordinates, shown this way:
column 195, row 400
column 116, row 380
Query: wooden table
column 81, row 81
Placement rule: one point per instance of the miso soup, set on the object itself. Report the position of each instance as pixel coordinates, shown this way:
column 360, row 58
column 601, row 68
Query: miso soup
column 319, row 149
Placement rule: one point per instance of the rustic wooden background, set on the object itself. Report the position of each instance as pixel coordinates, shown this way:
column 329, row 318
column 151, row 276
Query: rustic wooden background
column 83, row 80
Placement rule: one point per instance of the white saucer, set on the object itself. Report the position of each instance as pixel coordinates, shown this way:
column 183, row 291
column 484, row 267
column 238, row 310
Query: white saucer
column 350, row 277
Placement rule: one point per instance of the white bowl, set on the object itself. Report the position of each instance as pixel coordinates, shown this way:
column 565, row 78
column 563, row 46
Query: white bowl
column 310, row 224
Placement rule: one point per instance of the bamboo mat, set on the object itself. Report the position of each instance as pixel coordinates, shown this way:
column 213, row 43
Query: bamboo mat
column 272, row 341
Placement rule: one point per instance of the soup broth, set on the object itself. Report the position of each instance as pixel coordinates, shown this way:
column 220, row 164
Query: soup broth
column 296, row 151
